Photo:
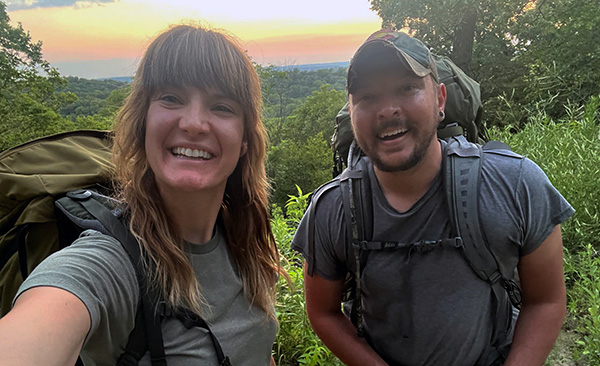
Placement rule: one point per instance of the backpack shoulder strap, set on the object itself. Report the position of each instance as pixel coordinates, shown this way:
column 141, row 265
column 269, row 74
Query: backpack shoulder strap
column 462, row 170
column 462, row 176
column 110, row 223
column 358, row 213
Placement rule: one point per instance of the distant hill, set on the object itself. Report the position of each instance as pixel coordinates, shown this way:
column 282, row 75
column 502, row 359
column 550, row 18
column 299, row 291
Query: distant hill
column 124, row 79
column 312, row 67
column 304, row 67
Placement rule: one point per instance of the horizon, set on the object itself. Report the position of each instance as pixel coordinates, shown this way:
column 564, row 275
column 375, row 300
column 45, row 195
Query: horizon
column 106, row 38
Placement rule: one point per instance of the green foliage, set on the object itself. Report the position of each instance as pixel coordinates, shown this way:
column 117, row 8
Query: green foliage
column 527, row 55
column 284, row 90
column 316, row 116
column 303, row 156
column 94, row 97
column 582, row 271
column 296, row 343
column 307, row 165
column 569, row 152
column 29, row 102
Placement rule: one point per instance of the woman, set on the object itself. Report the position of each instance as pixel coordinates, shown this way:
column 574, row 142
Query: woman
column 189, row 150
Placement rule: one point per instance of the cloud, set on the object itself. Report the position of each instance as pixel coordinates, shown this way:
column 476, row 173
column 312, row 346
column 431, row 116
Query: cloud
column 13, row 5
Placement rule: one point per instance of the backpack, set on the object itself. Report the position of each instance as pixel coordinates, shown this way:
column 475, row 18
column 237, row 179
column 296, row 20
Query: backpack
column 462, row 172
column 463, row 113
column 51, row 189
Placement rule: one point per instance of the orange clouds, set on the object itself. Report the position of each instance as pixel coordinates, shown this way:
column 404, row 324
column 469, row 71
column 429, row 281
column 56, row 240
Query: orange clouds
column 302, row 49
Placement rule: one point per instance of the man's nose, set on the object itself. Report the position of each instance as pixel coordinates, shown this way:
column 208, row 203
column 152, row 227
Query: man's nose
column 389, row 108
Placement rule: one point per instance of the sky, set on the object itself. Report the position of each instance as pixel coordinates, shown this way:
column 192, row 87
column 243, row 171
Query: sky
column 106, row 38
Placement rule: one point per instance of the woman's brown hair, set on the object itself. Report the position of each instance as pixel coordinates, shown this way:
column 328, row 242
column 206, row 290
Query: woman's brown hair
column 208, row 60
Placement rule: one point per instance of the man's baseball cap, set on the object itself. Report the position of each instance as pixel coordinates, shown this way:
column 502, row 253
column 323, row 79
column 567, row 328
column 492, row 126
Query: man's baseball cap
column 415, row 54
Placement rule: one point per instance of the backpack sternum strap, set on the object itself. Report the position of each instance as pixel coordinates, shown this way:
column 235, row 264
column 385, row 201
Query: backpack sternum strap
column 420, row 246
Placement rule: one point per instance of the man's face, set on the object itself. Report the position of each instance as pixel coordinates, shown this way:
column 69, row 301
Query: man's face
column 395, row 115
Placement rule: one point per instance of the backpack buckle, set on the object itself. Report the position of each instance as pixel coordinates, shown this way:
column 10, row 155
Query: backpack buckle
column 79, row 194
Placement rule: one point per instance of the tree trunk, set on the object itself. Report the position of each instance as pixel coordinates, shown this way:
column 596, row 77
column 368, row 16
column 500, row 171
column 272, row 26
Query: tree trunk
column 462, row 46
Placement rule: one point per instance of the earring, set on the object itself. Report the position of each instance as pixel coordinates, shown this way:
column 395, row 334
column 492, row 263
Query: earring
column 442, row 115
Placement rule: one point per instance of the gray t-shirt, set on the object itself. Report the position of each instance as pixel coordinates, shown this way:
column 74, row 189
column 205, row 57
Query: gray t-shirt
column 96, row 269
column 423, row 304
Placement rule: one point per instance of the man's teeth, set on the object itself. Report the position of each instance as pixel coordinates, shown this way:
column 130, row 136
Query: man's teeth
column 191, row 153
column 392, row 133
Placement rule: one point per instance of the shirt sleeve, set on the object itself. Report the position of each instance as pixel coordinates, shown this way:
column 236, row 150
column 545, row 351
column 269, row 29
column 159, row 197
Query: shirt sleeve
column 542, row 206
column 329, row 236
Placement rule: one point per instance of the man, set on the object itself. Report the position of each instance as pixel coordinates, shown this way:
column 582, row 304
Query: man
column 428, row 307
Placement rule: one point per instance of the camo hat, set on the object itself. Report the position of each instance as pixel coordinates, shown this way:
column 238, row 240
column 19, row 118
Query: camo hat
column 415, row 54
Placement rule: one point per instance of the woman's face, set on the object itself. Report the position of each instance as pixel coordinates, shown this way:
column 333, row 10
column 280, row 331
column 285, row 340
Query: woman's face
column 194, row 139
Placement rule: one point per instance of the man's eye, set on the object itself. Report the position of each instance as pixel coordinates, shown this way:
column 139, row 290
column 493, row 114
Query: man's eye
column 366, row 97
column 408, row 88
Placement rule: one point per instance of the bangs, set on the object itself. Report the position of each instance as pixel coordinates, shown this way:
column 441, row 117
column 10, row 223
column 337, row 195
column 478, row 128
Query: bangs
column 187, row 56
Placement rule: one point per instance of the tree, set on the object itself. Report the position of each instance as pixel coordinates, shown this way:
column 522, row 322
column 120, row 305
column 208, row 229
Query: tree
column 559, row 42
column 316, row 116
column 275, row 90
column 304, row 156
column 452, row 27
column 291, row 163
column 29, row 103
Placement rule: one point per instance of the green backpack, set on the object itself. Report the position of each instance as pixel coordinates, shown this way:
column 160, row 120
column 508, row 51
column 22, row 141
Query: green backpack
column 32, row 175
column 463, row 111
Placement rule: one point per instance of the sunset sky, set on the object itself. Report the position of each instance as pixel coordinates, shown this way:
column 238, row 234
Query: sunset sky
column 105, row 38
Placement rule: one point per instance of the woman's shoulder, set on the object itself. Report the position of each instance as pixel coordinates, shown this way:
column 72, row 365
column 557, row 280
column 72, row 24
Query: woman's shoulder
column 94, row 263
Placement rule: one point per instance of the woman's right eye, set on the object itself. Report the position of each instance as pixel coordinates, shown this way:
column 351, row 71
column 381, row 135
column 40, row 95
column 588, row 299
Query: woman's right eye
column 168, row 98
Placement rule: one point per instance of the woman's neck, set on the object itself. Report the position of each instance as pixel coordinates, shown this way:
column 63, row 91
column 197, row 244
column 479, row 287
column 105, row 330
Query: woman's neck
column 194, row 213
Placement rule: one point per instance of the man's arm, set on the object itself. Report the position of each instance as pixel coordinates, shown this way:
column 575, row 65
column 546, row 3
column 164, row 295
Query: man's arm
column 47, row 326
column 335, row 330
column 544, row 303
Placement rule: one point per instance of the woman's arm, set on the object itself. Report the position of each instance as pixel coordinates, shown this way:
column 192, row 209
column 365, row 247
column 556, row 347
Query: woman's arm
column 47, row 326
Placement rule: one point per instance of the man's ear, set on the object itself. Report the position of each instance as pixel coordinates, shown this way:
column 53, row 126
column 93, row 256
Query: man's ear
column 441, row 96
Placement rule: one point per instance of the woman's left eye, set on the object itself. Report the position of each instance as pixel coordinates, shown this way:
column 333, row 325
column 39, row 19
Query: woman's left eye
column 223, row 108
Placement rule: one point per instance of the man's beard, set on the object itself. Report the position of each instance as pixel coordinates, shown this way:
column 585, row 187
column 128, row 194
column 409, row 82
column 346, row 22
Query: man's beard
column 417, row 155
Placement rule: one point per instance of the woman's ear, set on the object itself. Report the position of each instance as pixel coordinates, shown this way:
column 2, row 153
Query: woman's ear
column 244, row 148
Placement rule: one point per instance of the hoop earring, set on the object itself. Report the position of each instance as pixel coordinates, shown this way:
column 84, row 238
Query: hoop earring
column 442, row 115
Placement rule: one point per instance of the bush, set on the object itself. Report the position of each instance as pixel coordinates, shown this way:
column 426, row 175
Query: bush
column 569, row 152
column 582, row 271
column 296, row 342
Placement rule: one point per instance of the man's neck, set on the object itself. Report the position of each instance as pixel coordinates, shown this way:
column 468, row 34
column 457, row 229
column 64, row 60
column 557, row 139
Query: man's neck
column 403, row 189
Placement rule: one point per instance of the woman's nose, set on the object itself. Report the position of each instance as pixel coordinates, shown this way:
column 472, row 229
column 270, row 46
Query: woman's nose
column 195, row 120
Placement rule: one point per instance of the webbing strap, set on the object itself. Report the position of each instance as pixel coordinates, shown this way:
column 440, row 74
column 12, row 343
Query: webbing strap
column 352, row 181
column 190, row 319
column 421, row 245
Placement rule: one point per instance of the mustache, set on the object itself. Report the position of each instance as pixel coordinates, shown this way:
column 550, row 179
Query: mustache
column 395, row 123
